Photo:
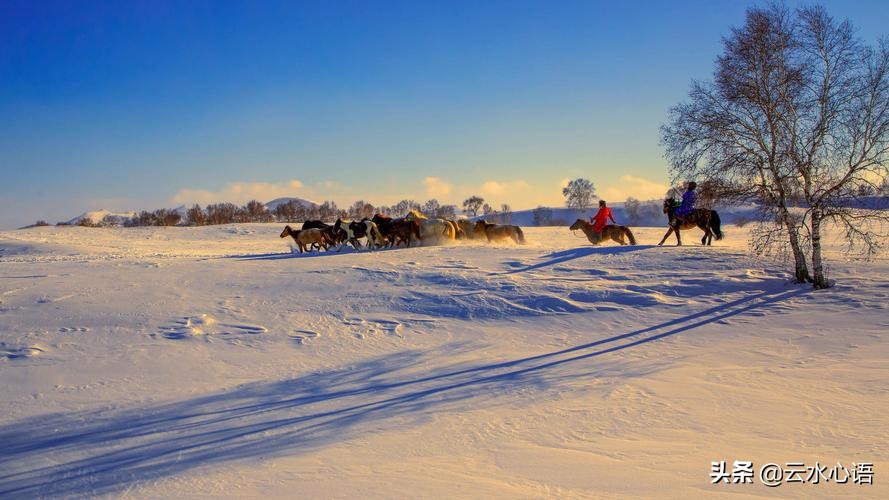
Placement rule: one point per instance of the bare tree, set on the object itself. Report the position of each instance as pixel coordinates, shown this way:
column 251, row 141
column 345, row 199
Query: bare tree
column 579, row 194
column 405, row 206
column 361, row 209
column 472, row 205
column 256, row 212
column 543, row 216
column 447, row 212
column 431, row 208
column 221, row 213
column 631, row 209
column 195, row 216
column 328, row 211
column 506, row 213
column 796, row 119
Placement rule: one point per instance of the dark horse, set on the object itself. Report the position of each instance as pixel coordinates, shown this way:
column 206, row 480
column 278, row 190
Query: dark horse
column 704, row 219
column 397, row 230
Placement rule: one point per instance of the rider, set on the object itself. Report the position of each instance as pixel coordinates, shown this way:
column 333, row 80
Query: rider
column 687, row 205
column 600, row 220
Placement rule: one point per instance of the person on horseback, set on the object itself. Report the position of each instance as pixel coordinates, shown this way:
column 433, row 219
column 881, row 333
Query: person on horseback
column 687, row 205
column 600, row 220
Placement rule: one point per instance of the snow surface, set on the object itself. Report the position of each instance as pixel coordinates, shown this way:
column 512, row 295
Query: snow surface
column 184, row 361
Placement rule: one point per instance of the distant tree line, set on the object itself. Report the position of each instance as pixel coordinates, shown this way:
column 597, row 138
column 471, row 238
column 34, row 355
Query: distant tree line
column 255, row 211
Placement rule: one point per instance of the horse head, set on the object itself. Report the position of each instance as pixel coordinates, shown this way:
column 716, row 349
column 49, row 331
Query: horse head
column 578, row 224
column 480, row 227
column 286, row 232
column 668, row 203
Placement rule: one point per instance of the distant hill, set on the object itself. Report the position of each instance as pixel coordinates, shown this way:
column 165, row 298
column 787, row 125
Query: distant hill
column 96, row 216
column 272, row 205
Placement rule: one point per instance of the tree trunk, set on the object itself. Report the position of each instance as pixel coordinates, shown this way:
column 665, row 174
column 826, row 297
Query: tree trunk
column 820, row 280
column 801, row 269
column 799, row 257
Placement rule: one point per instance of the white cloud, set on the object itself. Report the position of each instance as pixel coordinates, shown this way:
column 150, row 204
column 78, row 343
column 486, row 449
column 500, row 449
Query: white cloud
column 240, row 192
column 508, row 188
column 518, row 193
column 436, row 187
column 630, row 185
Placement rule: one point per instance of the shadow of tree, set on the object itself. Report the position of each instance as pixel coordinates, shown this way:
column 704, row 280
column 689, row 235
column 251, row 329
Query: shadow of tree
column 577, row 253
column 101, row 452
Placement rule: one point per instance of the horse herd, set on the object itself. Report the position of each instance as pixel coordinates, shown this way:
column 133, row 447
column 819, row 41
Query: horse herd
column 385, row 232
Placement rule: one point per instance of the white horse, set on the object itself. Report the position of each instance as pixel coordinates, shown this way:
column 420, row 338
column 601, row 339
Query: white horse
column 435, row 231
column 343, row 225
column 374, row 237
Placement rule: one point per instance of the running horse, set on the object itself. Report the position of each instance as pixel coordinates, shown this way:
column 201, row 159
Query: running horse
column 611, row 231
column 703, row 218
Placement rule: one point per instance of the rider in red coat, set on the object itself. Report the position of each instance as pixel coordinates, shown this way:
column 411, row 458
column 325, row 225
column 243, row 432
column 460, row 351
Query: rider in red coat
column 600, row 220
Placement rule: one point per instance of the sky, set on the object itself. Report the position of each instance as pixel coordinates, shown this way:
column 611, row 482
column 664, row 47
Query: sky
column 127, row 105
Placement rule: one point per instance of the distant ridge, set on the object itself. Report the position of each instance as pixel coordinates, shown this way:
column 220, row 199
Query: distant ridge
column 272, row 205
column 96, row 216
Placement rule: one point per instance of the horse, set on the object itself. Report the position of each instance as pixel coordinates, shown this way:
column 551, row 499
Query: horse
column 496, row 232
column 611, row 231
column 415, row 215
column 366, row 228
column 307, row 238
column 397, row 230
column 315, row 224
column 344, row 233
column 434, row 230
column 467, row 228
column 705, row 219
column 327, row 228
column 458, row 232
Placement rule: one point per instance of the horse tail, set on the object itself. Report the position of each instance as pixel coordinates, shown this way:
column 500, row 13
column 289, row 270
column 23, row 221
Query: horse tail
column 630, row 235
column 714, row 224
column 520, row 234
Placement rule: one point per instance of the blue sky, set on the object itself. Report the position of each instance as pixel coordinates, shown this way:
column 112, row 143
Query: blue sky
column 132, row 105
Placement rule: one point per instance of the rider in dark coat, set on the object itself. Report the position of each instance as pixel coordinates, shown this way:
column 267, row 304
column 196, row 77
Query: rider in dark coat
column 688, row 203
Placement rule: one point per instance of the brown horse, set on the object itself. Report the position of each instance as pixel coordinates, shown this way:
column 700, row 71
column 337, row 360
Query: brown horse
column 307, row 238
column 611, row 231
column 497, row 232
column 704, row 219
column 467, row 228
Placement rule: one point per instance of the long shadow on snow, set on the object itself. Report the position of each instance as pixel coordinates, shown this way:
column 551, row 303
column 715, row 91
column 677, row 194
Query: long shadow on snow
column 576, row 253
column 98, row 452
column 307, row 255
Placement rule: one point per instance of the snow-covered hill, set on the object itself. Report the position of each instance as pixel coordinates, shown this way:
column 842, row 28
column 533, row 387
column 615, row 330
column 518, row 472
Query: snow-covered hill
column 210, row 361
column 97, row 216
column 272, row 205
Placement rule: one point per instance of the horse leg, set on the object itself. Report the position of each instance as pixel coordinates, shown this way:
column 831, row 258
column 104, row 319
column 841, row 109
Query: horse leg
column 678, row 238
column 670, row 230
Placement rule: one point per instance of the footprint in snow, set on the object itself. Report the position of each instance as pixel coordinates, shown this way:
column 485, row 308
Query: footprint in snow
column 73, row 329
column 302, row 337
column 206, row 325
column 20, row 352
